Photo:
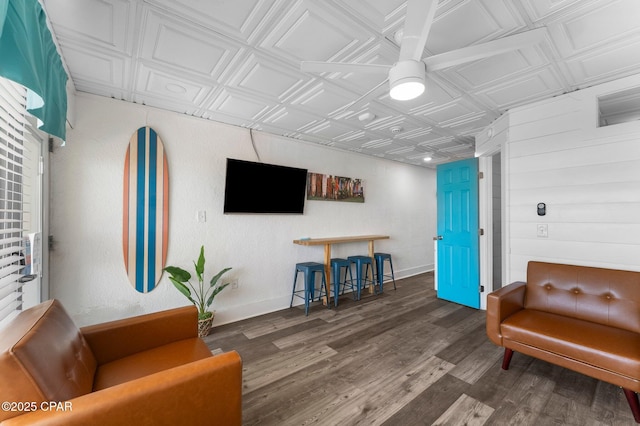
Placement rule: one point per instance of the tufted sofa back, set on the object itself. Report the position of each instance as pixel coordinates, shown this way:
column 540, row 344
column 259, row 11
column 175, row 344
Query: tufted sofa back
column 604, row 296
column 44, row 357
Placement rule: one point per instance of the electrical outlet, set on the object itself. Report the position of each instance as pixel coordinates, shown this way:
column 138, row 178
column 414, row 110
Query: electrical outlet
column 201, row 216
column 234, row 284
column 543, row 230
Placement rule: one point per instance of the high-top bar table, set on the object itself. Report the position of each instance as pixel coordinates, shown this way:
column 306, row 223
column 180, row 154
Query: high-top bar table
column 327, row 242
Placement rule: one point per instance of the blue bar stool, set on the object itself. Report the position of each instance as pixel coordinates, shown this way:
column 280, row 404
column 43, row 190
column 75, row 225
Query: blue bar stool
column 336, row 267
column 309, row 269
column 380, row 259
column 361, row 279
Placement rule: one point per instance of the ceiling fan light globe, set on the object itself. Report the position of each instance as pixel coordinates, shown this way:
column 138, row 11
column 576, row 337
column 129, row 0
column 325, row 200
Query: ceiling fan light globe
column 407, row 90
column 406, row 79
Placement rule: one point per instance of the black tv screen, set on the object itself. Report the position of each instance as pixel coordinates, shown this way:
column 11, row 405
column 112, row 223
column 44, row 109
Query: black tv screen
column 263, row 188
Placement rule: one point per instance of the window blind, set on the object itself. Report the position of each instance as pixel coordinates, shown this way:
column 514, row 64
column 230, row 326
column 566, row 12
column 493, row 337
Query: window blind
column 13, row 124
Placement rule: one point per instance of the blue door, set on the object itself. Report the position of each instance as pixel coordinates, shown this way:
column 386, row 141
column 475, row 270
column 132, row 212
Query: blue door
column 458, row 265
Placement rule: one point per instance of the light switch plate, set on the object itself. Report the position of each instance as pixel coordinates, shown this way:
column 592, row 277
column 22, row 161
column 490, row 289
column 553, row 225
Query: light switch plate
column 543, row 230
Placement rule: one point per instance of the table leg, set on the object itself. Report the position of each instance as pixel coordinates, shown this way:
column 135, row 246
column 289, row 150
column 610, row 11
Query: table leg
column 372, row 288
column 327, row 272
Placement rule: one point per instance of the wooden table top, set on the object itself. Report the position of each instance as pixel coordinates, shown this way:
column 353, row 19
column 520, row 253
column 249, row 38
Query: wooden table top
column 336, row 240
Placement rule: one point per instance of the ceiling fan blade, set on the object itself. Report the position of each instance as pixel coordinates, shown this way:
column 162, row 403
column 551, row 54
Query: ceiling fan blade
column 360, row 100
column 316, row 66
column 484, row 50
column 417, row 25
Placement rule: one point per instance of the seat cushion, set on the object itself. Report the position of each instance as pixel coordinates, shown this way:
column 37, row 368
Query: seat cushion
column 595, row 344
column 148, row 362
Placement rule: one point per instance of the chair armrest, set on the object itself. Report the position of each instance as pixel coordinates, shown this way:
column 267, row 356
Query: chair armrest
column 116, row 339
column 207, row 391
column 501, row 304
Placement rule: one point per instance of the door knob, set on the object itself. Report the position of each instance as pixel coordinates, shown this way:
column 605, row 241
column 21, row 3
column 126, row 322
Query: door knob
column 439, row 237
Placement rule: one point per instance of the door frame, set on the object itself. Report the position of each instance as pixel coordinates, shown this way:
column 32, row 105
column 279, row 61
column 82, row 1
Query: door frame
column 485, row 210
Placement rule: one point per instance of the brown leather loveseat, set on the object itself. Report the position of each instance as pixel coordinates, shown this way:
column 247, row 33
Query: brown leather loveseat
column 582, row 318
column 145, row 370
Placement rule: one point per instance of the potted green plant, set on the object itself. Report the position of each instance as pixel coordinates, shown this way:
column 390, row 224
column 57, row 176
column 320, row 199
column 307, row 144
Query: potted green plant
column 201, row 295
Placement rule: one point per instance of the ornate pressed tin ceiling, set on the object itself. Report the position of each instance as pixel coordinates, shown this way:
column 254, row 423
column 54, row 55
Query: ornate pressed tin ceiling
column 238, row 62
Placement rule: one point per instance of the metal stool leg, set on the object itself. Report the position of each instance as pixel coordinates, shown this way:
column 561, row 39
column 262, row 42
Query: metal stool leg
column 336, row 282
column 358, row 280
column 293, row 292
column 326, row 290
column 393, row 277
column 380, row 267
column 308, row 292
column 353, row 292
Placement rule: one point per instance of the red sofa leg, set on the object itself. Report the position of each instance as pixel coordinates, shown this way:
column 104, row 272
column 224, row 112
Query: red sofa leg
column 508, row 353
column 632, row 398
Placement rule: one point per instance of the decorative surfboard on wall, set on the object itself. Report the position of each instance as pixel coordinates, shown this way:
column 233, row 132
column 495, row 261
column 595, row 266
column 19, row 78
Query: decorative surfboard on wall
column 146, row 209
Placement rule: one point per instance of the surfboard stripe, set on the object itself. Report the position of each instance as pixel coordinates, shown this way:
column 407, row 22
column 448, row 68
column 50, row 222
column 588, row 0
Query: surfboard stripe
column 133, row 177
column 165, row 208
column 125, row 216
column 151, row 225
column 145, row 208
column 140, row 209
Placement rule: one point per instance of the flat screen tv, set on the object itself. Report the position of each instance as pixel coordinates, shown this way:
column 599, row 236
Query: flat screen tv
column 263, row 188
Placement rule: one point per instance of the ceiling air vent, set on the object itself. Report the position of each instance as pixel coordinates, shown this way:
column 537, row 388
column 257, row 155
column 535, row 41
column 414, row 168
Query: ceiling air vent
column 619, row 107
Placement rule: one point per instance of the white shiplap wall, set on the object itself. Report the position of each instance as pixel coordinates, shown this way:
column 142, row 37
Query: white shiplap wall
column 588, row 176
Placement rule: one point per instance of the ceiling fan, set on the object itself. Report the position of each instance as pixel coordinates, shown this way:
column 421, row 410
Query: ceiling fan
column 407, row 76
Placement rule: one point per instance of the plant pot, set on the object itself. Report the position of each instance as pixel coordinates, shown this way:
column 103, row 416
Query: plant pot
column 204, row 326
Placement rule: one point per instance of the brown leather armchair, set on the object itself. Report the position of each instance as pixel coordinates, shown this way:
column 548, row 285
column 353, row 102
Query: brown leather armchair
column 145, row 370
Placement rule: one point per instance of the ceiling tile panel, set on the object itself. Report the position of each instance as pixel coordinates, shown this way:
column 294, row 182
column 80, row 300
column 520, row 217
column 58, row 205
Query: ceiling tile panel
column 173, row 88
column 593, row 27
column 328, row 130
column 470, row 19
column 193, row 50
column 541, row 9
column 236, row 19
column 323, row 99
column 240, row 105
column 287, row 118
column 95, row 67
column 377, row 144
column 527, row 89
column 105, row 23
column 351, row 136
column 379, row 14
column 451, row 112
column 601, row 64
column 492, row 70
column 298, row 34
column 258, row 75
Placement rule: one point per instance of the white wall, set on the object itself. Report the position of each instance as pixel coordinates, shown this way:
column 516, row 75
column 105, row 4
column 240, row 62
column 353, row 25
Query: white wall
column 588, row 176
column 87, row 269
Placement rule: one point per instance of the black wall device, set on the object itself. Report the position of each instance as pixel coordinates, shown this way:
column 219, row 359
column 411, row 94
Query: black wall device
column 542, row 209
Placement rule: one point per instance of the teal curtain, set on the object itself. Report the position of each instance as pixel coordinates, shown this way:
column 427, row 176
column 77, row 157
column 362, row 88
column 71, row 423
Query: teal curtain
column 29, row 57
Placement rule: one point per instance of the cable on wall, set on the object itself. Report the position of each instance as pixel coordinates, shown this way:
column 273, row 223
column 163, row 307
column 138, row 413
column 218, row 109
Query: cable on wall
column 253, row 144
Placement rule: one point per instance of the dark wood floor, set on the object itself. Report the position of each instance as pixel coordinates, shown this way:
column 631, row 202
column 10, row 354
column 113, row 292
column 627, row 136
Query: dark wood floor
column 402, row 358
